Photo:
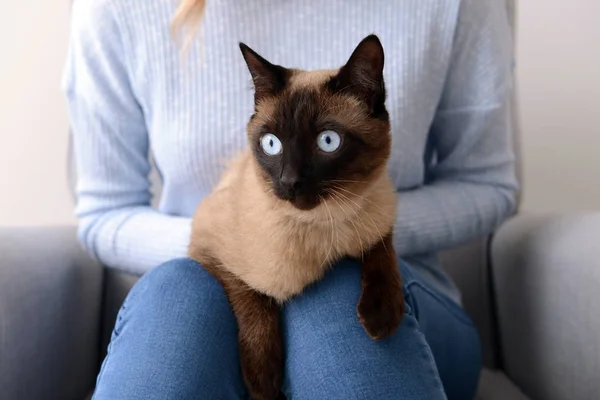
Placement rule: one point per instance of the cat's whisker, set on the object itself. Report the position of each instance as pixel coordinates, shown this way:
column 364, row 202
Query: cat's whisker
column 269, row 184
column 351, row 193
column 332, row 231
column 358, row 236
column 345, row 181
column 337, row 236
column 359, row 219
column 369, row 217
column 344, row 200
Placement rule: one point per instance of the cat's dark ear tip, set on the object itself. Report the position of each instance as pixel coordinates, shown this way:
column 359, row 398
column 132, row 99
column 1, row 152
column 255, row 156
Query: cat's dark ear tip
column 245, row 49
column 372, row 38
column 247, row 52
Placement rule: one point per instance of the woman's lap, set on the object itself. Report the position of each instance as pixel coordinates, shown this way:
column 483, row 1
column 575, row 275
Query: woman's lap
column 174, row 327
column 176, row 338
column 328, row 351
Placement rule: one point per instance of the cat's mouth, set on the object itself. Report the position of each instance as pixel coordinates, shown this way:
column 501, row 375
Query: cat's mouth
column 305, row 203
column 300, row 201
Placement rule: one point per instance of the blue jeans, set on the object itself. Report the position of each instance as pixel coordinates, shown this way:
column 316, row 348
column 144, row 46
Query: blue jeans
column 175, row 338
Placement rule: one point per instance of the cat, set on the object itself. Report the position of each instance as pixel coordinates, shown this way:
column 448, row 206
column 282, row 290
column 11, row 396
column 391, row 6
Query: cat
column 310, row 189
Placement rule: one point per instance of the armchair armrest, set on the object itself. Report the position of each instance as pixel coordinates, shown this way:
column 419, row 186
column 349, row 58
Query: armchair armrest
column 546, row 270
column 50, row 299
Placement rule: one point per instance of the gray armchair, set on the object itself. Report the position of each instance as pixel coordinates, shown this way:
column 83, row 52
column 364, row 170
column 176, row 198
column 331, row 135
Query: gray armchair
column 532, row 292
column 531, row 289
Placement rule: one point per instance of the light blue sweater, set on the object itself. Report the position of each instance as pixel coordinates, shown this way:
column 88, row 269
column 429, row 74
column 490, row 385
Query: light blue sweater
column 131, row 92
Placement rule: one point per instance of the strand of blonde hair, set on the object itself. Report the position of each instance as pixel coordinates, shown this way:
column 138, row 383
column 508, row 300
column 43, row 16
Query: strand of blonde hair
column 187, row 20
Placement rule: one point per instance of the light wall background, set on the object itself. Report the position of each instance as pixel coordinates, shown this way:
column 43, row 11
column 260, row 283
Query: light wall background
column 33, row 120
column 559, row 89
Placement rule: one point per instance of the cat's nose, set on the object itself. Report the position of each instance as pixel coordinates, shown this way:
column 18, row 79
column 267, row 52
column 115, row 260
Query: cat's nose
column 291, row 182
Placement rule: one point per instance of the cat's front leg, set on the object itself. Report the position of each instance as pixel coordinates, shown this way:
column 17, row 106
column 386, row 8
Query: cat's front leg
column 259, row 336
column 381, row 304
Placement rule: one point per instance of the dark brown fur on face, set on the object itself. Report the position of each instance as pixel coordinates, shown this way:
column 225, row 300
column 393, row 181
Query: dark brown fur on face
column 276, row 223
column 297, row 110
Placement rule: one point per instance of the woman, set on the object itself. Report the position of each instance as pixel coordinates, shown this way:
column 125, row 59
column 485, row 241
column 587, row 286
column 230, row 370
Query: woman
column 133, row 91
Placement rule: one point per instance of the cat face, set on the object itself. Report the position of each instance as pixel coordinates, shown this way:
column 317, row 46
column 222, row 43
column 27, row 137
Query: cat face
column 317, row 133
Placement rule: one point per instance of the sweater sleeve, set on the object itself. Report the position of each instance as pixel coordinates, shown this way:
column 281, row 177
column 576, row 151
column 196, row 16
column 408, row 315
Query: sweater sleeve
column 471, row 185
column 117, row 224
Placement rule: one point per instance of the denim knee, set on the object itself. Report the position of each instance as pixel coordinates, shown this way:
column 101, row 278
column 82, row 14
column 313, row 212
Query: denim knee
column 180, row 273
column 180, row 281
column 181, row 287
column 329, row 354
column 176, row 325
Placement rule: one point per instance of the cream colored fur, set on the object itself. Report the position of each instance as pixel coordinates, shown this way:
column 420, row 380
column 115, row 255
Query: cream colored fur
column 274, row 247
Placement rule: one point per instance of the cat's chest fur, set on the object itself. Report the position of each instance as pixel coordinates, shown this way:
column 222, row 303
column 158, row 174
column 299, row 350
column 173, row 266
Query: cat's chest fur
column 278, row 250
column 296, row 254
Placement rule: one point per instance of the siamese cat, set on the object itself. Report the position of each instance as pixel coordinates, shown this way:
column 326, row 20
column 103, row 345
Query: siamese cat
column 310, row 189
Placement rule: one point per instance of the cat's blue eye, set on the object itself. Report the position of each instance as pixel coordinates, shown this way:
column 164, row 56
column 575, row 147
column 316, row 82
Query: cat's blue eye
column 329, row 141
column 271, row 145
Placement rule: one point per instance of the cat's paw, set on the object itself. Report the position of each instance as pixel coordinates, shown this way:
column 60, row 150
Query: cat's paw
column 381, row 309
column 263, row 383
column 262, row 369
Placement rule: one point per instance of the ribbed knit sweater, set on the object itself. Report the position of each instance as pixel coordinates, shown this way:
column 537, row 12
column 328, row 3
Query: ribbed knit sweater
column 132, row 92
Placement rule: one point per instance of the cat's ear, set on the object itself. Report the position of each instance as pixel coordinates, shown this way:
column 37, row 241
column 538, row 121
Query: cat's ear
column 362, row 75
column 268, row 79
